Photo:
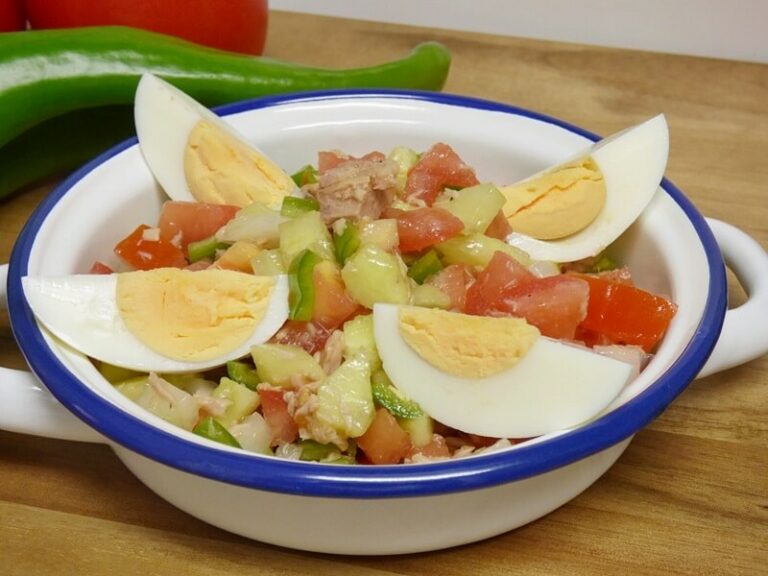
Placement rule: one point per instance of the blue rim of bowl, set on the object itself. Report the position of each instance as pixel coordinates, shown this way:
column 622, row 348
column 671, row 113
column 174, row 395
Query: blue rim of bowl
column 313, row 479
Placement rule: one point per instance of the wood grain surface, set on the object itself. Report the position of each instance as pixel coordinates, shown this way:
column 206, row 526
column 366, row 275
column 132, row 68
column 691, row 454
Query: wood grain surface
column 689, row 496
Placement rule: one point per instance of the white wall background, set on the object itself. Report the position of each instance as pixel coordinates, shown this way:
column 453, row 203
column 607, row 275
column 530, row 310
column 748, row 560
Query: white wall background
column 731, row 29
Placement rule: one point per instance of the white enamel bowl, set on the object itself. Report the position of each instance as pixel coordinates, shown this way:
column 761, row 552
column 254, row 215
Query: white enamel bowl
column 364, row 509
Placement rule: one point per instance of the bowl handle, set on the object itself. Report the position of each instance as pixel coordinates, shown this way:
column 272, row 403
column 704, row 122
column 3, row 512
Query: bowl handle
column 27, row 407
column 745, row 331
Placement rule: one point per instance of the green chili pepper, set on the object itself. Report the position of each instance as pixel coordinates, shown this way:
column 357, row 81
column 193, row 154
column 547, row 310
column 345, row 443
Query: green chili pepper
column 346, row 243
column 387, row 396
column 45, row 73
column 306, row 175
column 243, row 373
column 205, row 248
column 301, row 295
column 214, row 430
column 293, row 206
column 61, row 144
column 312, row 450
column 425, row 266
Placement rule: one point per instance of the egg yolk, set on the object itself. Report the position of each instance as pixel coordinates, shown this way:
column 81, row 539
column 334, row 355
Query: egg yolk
column 222, row 170
column 467, row 346
column 192, row 316
column 557, row 203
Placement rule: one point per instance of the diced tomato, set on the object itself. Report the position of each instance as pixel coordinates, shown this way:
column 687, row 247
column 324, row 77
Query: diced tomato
column 453, row 280
column 499, row 227
column 385, row 442
column 625, row 314
column 556, row 305
column 311, row 336
column 502, row 274
column 438, row 168
column 185, row 222
column 332, row 303
column 275, row 411
column 329, row 159
column 424, row 227
column 437, row 448
column 143, row 251
column 100, row 268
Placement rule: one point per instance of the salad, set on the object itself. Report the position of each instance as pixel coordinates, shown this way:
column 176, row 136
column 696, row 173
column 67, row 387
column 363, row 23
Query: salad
column 382, row 308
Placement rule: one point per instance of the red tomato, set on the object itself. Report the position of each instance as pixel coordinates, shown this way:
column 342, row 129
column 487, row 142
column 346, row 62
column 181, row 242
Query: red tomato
column 424, row 227
column 234, row 25
column 185, row 222
column 502, row 274
column 332, row 303
column 499, row 227
column 143, row 252
column 453, row 280
column 275, row 410
column 308, row 335
column 437, row 168
column 100, row 268
column 12, row 15
column 385, row 442
column 626, row 314
column 556, row 305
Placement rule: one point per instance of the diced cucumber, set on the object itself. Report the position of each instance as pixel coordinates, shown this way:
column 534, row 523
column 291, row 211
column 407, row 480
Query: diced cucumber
column 214, row 430
column 419, row 428
column 405, row 158
column 374, row 275
column 477, row 250
column 115, row 374
column 243, row 373
column 475, row 206
column 132, row 388
column 389, row 397
column 344, row 399
column 268, row 263
column 359, row 340
column 429, row 296
column 305, row 232
column 162, row 399
column 276, row 363
column 382, row 233
column 242, row 401
column 256, row 223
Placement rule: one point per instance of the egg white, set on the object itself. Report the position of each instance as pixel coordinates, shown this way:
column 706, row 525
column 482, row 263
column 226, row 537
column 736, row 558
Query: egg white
column 555, row 386
column 164, row 117
column 82, row 311
column 632, row 162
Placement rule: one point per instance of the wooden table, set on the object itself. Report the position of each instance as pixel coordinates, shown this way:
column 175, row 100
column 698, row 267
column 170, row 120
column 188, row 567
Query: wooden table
column 690, row 495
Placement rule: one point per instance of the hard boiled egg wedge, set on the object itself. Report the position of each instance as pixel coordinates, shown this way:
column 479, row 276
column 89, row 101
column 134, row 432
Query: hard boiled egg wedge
column 494, row 377
column 164, row 320
column 195, row 155
column 576, row 209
